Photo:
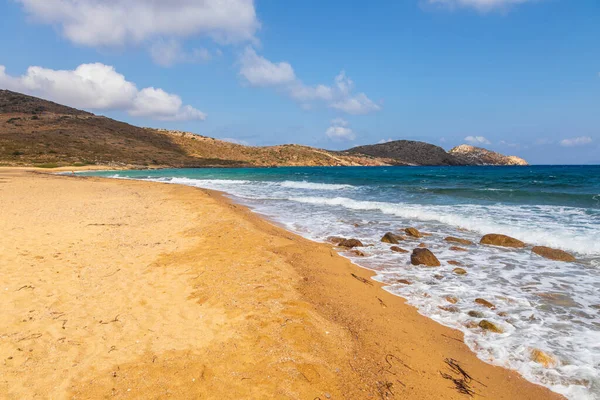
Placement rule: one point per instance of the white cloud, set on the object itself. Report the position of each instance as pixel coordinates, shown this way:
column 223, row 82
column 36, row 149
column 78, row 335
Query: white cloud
column 477, row 140
column 576, row 141
column 382, row 141
column 167, row 53
column 119, row 22
column 258, row 71
column 480, row 5
column 339, row 130
column 99, row 87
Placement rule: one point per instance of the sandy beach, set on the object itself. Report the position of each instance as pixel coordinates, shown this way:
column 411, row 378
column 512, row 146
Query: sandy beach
column 141, row 290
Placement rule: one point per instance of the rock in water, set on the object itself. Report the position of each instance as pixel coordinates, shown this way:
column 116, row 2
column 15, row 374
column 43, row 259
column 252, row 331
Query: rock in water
column 350, row 243
column 335, row 239
column 458, row 240
column 456, row 248
column 485, row 303
column 501, row 240
column 459, row 271
column 455, row 263
column 490, row 326
column 553, row 254
column 413, row 232
column 542, row 358
column 422, row 256
column 391, row 238
column 398, row 249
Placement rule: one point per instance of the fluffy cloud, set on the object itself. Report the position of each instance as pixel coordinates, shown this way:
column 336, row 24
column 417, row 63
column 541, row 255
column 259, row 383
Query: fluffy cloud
column 99, row 87
column 477, row 140
column 167, row 53
column 119, row 22
column 339, row 130
column 480, row 5
column 576, row 141
column 259, row 71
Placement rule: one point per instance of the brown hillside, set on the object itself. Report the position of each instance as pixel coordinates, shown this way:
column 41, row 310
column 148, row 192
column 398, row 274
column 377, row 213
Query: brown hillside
column 35, row 131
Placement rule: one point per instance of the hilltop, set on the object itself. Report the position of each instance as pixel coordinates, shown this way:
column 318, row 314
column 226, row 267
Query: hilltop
column 34, row 131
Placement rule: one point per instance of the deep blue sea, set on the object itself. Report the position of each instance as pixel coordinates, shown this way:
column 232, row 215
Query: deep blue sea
column 540, row 304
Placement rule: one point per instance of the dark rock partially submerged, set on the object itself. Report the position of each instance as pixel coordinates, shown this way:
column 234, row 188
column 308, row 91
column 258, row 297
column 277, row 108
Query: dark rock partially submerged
column 391, row 238
column 425, row 257
column 501, row 240
column 553, row 254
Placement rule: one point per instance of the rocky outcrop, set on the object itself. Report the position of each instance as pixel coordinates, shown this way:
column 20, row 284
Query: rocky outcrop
column 553, row 254
column 391, row 238
column 471, row 155
column 413, row 232
column 408, row 152
column 464, row 242
column 350, row 243
column 502, row 241
column 490, row 326
column 425, row 257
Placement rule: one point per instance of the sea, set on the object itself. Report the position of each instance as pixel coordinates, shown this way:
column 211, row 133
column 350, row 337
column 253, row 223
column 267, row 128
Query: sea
column 540, row 304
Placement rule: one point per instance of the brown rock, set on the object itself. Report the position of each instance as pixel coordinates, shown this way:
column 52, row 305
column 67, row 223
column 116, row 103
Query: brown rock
column 458, row 240
column 452, row 309
column 403, row 281
column 501, row 240
column 476, row 314
column 391, row 238
column 485, row 303
column 350, row 243
column 422, row 245
column 459, row 271
column 412, row 232
column 335, row 239
column 543, row 358
column 553, row 254
column 398, row 249
column 455, row 248
column 471, row 324
column 451, row 299
column 489, row 326
column 455, row 263
column 424, row 257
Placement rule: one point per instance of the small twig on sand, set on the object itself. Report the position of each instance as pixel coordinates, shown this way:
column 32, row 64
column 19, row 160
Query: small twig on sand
column 463, row 382
column 109, row 322
column 25, row 287
column 363, row 280
column 381, row 302
column 31, row 337
column 106, row 276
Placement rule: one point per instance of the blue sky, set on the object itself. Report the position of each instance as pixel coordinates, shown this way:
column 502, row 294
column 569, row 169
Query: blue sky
column 517, row 76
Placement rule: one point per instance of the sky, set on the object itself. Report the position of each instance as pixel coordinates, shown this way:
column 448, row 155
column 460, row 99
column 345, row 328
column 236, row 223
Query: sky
column 521, row 77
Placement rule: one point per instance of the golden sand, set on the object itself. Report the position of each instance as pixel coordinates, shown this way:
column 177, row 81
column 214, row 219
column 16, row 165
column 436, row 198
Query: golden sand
column 127, row 289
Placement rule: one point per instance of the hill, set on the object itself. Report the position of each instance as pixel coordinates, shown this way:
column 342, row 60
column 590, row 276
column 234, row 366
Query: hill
column 408, row 152
column 472, row 155
column 34, row 131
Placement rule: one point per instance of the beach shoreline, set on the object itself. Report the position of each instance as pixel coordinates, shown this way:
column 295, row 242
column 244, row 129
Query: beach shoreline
column 173, row 290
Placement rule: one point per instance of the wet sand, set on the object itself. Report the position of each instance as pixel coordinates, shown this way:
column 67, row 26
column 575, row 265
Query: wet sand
column 128, row 289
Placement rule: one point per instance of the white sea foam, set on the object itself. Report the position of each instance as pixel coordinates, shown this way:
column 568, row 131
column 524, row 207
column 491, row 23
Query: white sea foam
column 314, row 185
column 520, row 222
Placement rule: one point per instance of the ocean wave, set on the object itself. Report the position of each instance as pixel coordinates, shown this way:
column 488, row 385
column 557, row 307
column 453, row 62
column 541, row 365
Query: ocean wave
column 314, row 185
column 521, row 224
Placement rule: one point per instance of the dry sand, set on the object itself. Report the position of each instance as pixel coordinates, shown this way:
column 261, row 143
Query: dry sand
column 143, row 290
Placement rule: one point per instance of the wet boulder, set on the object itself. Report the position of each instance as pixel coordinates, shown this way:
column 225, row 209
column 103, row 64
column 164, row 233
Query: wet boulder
column 464, row 242
column 350, row 243
column 459, row 271
column 398, row 249
column 335, row 239
column 391, row 238
column 357, row 253
column 489, row 326
column 553, row 254
column 456, row 248
column 451, row 299
column 422, row 245
column 502, row 241
column 425, row 257
column 455, row 263
column 540, row 357
column 485, row 303
column 476, row 314
column 412, row 232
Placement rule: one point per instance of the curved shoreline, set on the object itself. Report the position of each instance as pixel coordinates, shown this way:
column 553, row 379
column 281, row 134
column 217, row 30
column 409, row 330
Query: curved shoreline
column 291, row 317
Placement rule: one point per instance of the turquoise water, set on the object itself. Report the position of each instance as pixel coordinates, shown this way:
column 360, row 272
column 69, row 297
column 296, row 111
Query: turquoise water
column 540, row 304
